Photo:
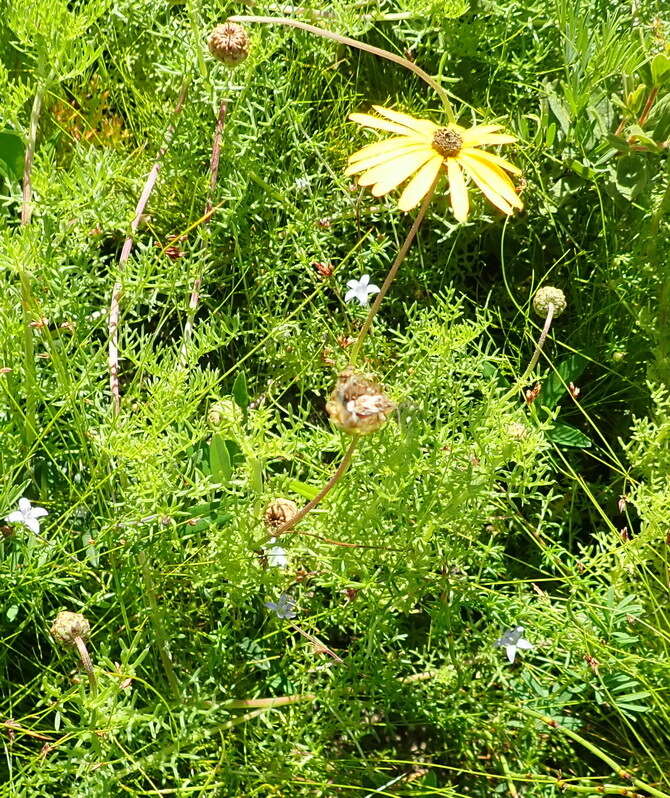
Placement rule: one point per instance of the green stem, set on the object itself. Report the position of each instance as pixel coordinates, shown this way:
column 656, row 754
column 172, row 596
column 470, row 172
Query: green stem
column 390, row 277
column 368, row 48
column 30, row 371
column 157, row 623
column 620, row 772
column 662, row 326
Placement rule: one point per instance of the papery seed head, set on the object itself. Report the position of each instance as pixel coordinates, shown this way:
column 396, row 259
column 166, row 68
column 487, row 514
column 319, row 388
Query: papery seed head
column 279, row 512
column 68, row 626
column 549, row 296
column 229, row 43
column 357, row 404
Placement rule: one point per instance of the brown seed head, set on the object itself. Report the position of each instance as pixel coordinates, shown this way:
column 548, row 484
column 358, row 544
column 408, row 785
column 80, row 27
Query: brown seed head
column 278, row 512
column 357, row 404
column 68, row 626
column 229, row 43
column 447, row 142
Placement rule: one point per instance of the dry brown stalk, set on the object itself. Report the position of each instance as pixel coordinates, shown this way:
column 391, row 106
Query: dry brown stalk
column 117, row 290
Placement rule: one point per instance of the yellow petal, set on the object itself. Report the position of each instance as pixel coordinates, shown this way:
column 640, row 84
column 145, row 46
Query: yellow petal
column 423, row 126
column 391, row 175
column 386, row 171
column 494, row 176
column 368, row 163
column 478, row 130
column 380, row 124
column 474, row 171
column 378, row 147
column 494, row 159
column 420, row 184
column 478, row 139
column 458, row 193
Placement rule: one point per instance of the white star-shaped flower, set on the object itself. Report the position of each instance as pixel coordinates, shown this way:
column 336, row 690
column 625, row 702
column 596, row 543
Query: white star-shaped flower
column 513, row 640
column 277, row 556
column 283, row 607
column 28, row 515
column 361, row 290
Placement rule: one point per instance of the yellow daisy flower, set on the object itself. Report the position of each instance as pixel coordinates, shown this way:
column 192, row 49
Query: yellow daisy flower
column 421, row 150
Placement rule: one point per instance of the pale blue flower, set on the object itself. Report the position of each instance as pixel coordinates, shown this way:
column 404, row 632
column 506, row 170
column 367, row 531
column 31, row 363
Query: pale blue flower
column 283, row 607
column 511, row 641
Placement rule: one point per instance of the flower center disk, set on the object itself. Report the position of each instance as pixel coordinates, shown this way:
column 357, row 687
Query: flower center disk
column 447, row 142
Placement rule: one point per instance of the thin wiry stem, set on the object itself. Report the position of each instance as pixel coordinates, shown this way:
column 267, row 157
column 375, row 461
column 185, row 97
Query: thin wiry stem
column 30, row 371
column 368, row 48
column 157, row 623
column 213, row 176
column 325, row 490
column 620, row 772
column 117, row 290
column 26, row 205
column 390, row 277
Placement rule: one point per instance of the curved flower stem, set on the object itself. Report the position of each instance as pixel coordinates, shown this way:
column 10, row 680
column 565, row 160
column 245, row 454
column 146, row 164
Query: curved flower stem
column 540, row 343
column 390, row 277
column 86, row 662
column 620, row 772
column 368, row 48
column 325, row 490
column 518, row 386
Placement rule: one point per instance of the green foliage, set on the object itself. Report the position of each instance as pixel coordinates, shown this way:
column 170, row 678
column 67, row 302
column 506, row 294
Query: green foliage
column 470, row 512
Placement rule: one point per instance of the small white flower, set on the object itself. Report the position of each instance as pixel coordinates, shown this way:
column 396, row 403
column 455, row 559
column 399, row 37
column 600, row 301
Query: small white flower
column 28, row 515
column 283, row 607
column 361, row 290
column 301, row 183
column 277, row 556
column 513, row 640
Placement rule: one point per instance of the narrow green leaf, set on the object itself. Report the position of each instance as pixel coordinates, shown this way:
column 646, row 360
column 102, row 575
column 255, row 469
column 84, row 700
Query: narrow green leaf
column 240, row 393
column 219, row 459
column 12, row 151
column 303, row 489
column 567, row 435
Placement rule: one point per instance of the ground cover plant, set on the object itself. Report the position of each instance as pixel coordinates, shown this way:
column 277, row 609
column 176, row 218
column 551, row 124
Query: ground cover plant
column 335, row 398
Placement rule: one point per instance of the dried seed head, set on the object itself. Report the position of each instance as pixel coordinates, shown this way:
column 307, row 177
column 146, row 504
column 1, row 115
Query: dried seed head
column 549, row 296
column 68, row 626
column 279, row 511
column 447, row 142
column 229, row 43
column 357, row 404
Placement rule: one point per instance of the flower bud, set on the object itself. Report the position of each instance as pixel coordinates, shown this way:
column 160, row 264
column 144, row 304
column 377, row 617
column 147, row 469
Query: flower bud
column 549, row 296
column 68, row 626
column 357, row 404
column 224, row 416
column 229, row 43
column 279, row 512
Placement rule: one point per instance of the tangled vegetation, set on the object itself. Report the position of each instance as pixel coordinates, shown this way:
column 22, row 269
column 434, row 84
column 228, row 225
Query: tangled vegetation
column 330, row 467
